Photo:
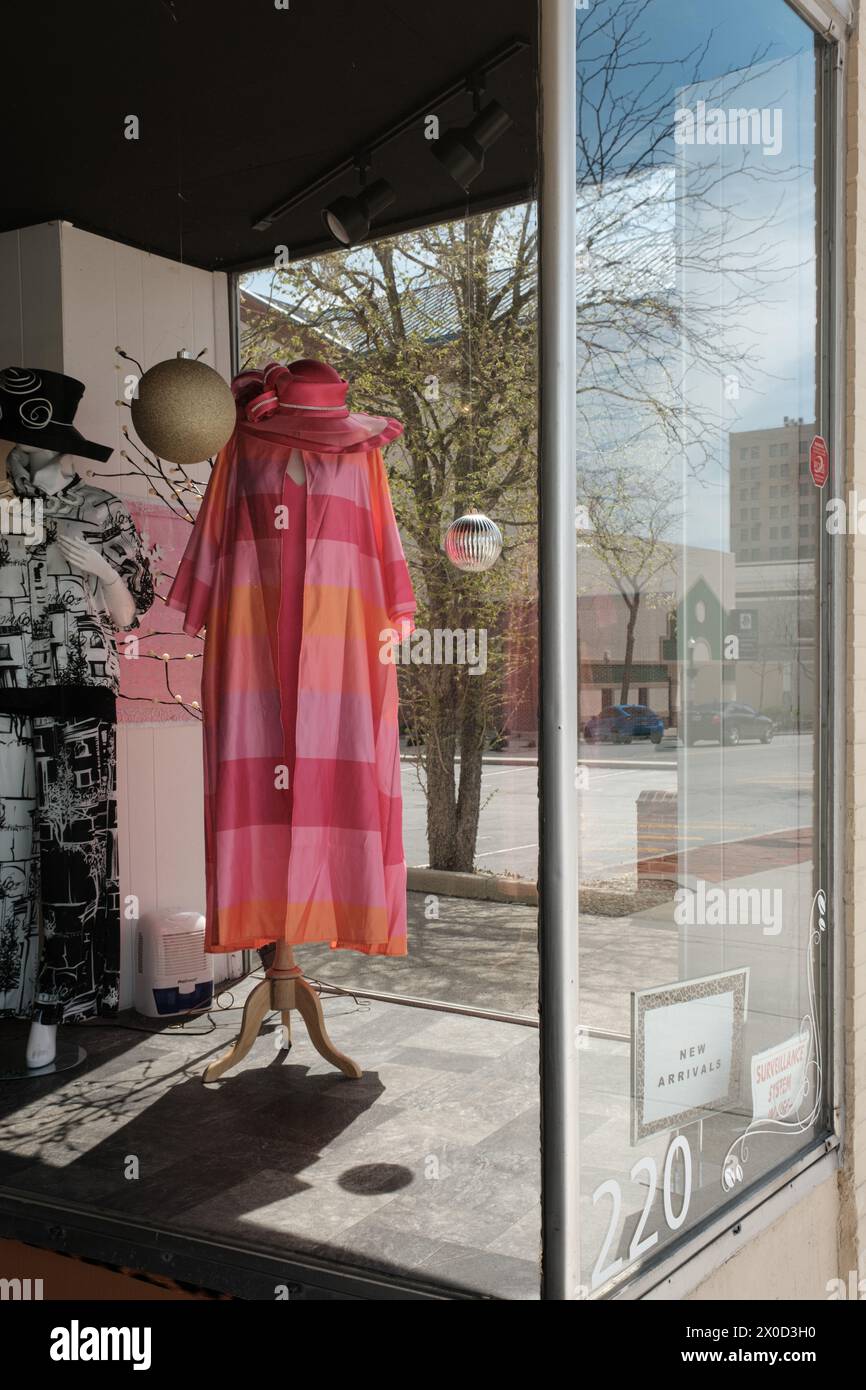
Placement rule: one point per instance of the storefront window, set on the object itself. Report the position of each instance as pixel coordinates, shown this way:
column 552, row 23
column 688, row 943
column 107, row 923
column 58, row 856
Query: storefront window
column 438, row 328
column 702, row 421
column 231, row 1029
column 408, row 1146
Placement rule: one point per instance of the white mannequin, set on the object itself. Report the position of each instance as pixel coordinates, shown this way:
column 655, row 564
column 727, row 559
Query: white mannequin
column 51, row 472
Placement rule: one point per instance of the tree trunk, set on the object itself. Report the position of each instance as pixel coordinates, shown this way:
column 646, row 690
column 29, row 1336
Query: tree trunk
column 457, row 722
column 632, row 604
column 441, row 747
column 472, row 731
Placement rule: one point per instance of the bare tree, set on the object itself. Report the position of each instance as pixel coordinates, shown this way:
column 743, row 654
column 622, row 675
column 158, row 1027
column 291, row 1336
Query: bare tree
column 629, row 530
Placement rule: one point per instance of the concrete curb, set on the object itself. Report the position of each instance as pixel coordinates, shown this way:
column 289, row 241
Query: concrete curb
column 446, row 883
column 502, row 760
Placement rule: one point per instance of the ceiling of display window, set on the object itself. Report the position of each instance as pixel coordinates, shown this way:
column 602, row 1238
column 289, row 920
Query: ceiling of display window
column 176, row 125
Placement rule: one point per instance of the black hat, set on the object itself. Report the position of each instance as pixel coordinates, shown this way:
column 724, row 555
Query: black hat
column 38, row 408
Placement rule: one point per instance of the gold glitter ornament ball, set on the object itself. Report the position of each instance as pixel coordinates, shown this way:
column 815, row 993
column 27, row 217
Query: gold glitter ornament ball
column 184, row 412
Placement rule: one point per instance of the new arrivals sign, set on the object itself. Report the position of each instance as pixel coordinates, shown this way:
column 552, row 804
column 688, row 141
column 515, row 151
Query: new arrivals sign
column 687, row 1042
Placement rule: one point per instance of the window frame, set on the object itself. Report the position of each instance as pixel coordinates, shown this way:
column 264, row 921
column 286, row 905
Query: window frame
column 707, row 1245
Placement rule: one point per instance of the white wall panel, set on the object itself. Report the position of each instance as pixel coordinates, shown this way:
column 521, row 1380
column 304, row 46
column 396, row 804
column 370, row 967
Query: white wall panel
column 161, row 830
column 115, row 296
column 30, row 298
column 67, row 300
column 89, row 337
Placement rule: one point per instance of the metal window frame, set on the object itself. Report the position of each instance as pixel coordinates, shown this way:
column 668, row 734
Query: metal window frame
column 709, row 1245
column 233, row 289
column 557, row 744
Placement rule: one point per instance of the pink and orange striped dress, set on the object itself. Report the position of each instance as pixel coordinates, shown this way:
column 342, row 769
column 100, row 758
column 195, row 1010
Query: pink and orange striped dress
column 319, row 859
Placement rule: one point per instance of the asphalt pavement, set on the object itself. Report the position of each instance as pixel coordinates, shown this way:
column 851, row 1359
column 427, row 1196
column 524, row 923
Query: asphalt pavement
column 723, row 794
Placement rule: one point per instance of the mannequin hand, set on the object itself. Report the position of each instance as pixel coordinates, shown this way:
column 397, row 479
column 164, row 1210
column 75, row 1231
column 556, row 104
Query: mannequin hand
column 81, row 555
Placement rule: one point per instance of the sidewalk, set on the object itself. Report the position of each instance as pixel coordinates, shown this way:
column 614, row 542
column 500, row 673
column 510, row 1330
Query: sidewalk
column 478, row 954
column 485, row 955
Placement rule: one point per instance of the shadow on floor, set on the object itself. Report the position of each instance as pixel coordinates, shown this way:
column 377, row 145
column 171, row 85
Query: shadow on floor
column 426, row 1165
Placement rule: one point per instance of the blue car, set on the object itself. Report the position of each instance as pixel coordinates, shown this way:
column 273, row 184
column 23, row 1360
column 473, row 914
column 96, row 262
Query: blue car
column 622, row 723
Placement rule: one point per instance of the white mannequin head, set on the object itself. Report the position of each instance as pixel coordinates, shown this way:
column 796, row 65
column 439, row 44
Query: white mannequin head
column 52, row 469
column 37, row 459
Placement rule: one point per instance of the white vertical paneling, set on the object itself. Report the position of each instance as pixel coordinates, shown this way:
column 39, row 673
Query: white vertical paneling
column 89, row 336
column 202, row 311
column 11, row 343
column 161, row 828
column 30, row 298
column 179, row 856
column 41, row 301
column 168, row 308
column 152, row 307
column 67, row 300
column 129, row 335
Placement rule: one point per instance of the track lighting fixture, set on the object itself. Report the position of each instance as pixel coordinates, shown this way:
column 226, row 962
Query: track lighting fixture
column 348, row 218
column 461, row 152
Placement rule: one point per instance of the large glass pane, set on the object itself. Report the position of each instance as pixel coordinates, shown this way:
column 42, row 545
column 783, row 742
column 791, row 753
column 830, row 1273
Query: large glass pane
column 437, row 327
column 697, row 524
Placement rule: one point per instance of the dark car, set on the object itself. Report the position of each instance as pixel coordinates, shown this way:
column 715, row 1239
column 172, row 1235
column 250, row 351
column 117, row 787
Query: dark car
column 622, row 723
column 727, row 721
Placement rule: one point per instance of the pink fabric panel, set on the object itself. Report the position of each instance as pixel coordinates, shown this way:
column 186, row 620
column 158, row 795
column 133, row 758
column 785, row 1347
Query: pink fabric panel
column 250, row 657
column 335, row 724
column 342, row 663
column 354, row 874
column 322, row 785
column 250, row 721
column 248, row 794
column 251, row 864
column 395, row 901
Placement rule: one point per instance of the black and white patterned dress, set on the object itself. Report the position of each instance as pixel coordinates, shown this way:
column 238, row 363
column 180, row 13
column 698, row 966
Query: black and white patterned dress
column 59, row 674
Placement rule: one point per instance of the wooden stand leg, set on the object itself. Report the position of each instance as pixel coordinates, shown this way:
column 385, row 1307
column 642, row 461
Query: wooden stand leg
column 283, row 990
column 255, row 1009
column 309, row 1007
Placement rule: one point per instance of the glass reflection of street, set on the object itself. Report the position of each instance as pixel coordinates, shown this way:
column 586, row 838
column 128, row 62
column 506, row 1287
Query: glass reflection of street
column 764, row 791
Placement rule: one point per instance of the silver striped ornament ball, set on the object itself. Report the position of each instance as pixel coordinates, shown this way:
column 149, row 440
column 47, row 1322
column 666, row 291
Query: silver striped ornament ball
column 473, row 542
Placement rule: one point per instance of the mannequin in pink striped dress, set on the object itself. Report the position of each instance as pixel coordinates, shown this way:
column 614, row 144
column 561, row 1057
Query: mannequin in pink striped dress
column 298, row 587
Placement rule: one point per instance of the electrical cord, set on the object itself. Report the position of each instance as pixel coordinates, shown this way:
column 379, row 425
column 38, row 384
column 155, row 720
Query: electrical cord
column 182, row 1029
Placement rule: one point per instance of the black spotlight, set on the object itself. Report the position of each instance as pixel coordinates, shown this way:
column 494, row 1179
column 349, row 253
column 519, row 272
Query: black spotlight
column 348, row 219
column 461, row 152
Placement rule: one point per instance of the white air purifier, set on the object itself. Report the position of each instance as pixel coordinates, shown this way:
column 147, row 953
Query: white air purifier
column 173, row 975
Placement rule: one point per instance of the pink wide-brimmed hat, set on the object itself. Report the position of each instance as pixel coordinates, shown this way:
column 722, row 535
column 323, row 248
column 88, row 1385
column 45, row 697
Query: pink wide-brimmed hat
column 304, row 406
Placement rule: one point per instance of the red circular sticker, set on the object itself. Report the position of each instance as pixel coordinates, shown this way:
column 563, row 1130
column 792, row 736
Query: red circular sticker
column 819, row 461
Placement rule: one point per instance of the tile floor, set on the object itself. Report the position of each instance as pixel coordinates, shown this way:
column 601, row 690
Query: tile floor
column 428, row 1164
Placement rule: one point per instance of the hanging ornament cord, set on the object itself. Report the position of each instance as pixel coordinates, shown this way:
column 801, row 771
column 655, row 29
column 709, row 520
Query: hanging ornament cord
column 470, row 307
column 476, row 87
column 178, row 101
column 372, row 294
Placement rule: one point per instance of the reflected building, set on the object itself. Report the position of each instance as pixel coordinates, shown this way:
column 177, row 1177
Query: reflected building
column 774, row 519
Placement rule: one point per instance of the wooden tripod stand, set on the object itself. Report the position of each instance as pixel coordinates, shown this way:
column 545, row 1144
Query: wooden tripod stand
column 282, row 989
